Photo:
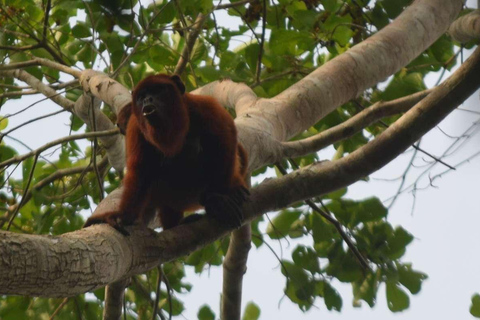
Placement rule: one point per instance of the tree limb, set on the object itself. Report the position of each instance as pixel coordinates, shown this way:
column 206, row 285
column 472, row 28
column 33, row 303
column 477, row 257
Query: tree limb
column 466, row 28
column 189, row 44
column 353, row 125
column 91, row 258
column 38, row 85
column 114, row 296
column 114, row 145
column 234, row 267
column 46, row 146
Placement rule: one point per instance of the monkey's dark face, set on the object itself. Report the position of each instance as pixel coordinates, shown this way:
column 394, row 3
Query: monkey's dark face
column 157, row 98
column 155, row 103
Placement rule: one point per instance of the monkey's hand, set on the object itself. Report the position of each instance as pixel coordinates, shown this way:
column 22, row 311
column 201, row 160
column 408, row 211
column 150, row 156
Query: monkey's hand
column 113, row 218
column 226, row 208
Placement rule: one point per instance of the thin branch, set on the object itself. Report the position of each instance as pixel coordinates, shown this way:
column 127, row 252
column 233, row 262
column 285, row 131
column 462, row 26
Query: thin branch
column 22, row 202
column 45, row 20
column 157, row 292
column 60, row 306
column 353, row 125
column 189, row 44
column 329, row 217
column 58, row 174
column 2, row 134
column 37, row 151
column 404, row 177
column 40, row 86
column 41, row 62
column 262, row 42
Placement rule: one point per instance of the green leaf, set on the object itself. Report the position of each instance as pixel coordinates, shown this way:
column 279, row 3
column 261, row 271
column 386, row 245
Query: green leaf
column 366, row 290
column 397, row 299
column 475, row 307
column 332, row 298
column 322, row 230
column 403, row 84
column 6, row 152
column 281, row 224
column 3, row 123
column 306, row 258
column 80, row 30
column 338, row 29
column 411, row 279
column 331, row 5
column 252, row 312
column 205, row 313
column 394, row 7
column 398, row 242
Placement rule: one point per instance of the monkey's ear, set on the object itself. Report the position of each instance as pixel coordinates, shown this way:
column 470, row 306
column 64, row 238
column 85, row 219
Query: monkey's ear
column 176, row 79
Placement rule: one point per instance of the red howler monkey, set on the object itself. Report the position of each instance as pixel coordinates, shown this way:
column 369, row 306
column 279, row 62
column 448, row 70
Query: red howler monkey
column 182, row 154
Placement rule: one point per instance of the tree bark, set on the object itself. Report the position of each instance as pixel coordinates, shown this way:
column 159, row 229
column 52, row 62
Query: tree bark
column 88, row 259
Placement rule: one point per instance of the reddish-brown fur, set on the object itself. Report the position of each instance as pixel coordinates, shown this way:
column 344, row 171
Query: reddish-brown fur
column 181, row 156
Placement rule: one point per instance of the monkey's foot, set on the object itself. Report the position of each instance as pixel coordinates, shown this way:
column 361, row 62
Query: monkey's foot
column 113, row 218
column 227, row 208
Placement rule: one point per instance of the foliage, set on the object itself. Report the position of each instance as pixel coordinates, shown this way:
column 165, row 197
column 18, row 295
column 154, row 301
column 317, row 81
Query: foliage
column 301, row 35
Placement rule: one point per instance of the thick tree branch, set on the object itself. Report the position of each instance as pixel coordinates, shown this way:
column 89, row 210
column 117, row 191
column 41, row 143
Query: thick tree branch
column 349, row 74
column 88, row 109
column 466, row 28
column 264, row 123
column 91, row 258
column 106, row 89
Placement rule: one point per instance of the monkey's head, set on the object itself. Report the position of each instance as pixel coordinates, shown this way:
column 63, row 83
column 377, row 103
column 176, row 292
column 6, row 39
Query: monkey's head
column 161, row 112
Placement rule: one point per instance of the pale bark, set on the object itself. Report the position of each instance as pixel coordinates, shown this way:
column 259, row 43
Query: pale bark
column 466, row 28
column 87, row 108
column 355, row 124
column 106, row 89
column 88, row 259
column 268, row 122
column 39, row 86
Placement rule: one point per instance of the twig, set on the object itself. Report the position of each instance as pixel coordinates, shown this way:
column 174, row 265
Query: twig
column 189, row 44
column 60, row 306
column 157, row 292
column 328, row 216
column 262, row 42
column 22, row 202
column 353, row 125
column 59, row 141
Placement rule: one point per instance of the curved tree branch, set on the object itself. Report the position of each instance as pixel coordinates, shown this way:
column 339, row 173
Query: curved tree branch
column 91, row 258
column 466, row 28
column 353, row 125
column 114, row 145
column 46, row 146
column 189, row 44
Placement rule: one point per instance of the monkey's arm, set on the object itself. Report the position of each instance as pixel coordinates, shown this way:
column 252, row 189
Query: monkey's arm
column 136, row 184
